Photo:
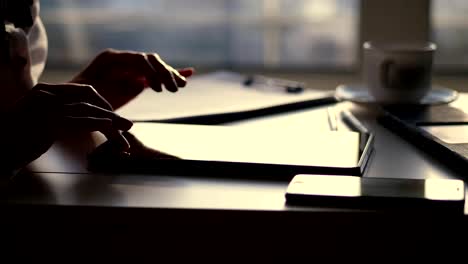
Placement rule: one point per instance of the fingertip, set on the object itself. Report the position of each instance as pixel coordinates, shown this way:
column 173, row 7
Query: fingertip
column 107, row 123
column 180, row 80
column 187, row 72
column 171, row 86
column 125, row 144
column 100, row 124
column 120, row 140
column 173, row 90
column 126, row 124
column 157, row 88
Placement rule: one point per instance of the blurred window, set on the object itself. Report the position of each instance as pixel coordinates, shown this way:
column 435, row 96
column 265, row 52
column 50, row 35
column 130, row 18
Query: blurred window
column 450, row 31
column 207, row 33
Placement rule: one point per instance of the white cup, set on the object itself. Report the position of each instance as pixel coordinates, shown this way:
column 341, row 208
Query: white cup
column 398, row 73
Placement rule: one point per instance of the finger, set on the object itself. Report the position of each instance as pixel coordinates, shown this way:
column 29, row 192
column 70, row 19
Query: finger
column 86, row 110
column 157, row 87
column 178, row 77
column 39, row 97
column 88, row 124
column 187, row 72
column 92, row 124
column 37, row 105
column 135, row 79
column 72, row 93
column 165, row 72
column 138, row 149
column 117, row 138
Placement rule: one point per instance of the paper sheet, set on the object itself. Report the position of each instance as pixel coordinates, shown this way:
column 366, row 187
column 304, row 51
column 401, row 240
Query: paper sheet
column 214, row 93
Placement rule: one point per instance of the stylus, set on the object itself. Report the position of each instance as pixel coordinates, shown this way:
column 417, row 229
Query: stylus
column 352, row 122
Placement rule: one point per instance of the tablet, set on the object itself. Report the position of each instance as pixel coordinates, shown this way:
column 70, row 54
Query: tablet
column 215, row 150
column 441, row 131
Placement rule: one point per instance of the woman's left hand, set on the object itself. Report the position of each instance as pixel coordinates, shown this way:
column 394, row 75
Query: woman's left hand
column 119, row 76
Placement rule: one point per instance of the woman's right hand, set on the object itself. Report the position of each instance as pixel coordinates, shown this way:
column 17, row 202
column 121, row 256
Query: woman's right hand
column 47, row 112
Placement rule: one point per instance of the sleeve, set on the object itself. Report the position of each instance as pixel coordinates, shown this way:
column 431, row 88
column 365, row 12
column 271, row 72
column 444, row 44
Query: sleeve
column 38, row 44
column 28, row 53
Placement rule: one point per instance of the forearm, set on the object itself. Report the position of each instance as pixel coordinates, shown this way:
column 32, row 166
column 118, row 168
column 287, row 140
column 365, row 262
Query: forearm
column 8, row 159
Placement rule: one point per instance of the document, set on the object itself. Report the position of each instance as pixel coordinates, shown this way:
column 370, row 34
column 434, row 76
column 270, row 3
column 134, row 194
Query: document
column 225, row 151
column 208, row 94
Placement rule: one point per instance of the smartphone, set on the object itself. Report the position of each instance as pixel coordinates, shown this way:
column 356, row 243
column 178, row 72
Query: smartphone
column 376, row 193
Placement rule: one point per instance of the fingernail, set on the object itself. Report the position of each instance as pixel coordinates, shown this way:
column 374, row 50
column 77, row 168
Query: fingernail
column 123, row 142
column 125, row 124
column 128, row 124
column 158, row 90
column 188, row 69
column 127, row 146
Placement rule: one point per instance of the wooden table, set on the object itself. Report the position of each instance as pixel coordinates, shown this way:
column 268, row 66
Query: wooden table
column 142, row 218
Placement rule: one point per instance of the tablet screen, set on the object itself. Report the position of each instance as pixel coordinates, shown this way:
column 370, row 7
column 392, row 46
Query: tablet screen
column 451, row 134
column 247, row 145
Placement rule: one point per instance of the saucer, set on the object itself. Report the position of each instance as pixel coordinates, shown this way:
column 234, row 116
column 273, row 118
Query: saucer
column 359, row 94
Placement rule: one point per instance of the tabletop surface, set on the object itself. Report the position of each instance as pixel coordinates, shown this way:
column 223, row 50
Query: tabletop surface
column 139, row 218
column 393, row 158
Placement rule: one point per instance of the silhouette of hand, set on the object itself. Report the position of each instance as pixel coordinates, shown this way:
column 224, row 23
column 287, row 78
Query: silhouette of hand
column 109, row 157
column 47, row 112
column 119, row 76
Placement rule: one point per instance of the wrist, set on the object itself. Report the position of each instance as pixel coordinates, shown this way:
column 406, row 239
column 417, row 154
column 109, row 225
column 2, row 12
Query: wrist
column 6, row 174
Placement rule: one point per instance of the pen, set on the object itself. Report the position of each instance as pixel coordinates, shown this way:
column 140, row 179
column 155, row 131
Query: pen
column 352, row 122
column 287, row 86
column 332, row 122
